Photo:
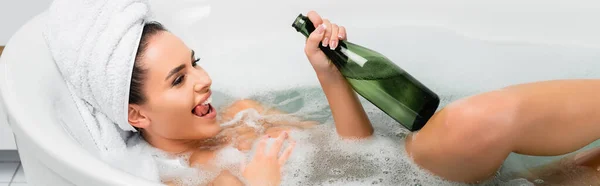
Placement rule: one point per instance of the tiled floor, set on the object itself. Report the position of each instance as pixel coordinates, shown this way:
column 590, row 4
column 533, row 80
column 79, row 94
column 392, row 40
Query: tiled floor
column 11, row 171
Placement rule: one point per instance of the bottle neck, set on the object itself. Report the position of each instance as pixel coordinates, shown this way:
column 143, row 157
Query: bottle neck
column 303, row 25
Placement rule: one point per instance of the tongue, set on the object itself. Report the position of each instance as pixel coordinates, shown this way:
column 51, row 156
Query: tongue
column 201, row 110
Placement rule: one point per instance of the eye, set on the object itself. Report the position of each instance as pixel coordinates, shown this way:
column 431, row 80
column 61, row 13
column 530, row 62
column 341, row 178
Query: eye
column 178, row 80
column 195, row 62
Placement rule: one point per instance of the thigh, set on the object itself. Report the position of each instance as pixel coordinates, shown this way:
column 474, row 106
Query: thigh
column 462, row 142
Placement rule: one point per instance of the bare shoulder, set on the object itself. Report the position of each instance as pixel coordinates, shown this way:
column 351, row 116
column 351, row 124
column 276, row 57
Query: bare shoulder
column 245, row 103
column 231, row 110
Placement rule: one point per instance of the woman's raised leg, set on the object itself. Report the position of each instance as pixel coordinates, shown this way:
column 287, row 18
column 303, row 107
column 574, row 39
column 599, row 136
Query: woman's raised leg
column 469, row 139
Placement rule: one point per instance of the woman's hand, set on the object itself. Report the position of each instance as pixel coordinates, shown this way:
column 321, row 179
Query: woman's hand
column 265, row 168
column 327, row 35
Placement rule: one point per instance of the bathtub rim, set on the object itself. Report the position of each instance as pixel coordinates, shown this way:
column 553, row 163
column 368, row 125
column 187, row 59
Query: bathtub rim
column 45, row 139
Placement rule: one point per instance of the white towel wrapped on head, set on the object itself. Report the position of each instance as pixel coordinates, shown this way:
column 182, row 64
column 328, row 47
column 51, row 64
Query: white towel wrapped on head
column 94, row 44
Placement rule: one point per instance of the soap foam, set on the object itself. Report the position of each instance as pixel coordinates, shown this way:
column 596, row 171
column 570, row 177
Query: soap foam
column 320, row 156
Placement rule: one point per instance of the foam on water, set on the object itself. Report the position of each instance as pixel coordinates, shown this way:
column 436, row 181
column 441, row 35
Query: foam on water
column 273, row 59
column 320, row 157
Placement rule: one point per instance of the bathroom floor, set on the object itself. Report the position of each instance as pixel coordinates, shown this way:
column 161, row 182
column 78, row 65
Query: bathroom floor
column 11, row 171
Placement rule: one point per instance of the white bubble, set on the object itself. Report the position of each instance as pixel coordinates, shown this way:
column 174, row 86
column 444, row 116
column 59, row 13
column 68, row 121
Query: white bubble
column 320, row 156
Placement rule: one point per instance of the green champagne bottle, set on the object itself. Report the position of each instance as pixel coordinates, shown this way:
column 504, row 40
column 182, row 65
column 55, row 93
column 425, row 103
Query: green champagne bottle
column 380, row 81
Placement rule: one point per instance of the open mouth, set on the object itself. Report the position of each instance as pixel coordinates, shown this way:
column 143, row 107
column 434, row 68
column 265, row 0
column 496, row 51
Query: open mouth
column 204, row 108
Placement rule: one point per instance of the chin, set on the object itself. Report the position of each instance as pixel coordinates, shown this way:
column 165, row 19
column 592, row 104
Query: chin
column 216, row 129
column 210, row 130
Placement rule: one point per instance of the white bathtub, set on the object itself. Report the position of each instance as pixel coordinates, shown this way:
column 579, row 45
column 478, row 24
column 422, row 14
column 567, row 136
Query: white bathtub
column 457, row 48
column 31, row 89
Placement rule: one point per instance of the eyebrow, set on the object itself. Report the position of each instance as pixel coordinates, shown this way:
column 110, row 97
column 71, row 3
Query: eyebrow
column 174, row 71
column 178, row 68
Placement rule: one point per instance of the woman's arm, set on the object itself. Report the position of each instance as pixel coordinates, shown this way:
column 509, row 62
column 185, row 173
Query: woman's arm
column 350, row 118
column 351, row 121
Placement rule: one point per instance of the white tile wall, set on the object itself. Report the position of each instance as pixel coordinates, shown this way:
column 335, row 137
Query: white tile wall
column 9, row 156
column 11, row 171
column 7, row 171
column 19, row 176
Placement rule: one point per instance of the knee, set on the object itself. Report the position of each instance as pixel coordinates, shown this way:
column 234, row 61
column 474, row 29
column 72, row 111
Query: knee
column 472, row 135
column 483, row 121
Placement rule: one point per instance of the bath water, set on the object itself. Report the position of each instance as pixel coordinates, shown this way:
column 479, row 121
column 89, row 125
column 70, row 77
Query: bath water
column 320, row 156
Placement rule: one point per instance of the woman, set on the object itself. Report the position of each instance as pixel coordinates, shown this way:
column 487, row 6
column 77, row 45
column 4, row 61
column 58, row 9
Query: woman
column 466, row 141
column 170, row 100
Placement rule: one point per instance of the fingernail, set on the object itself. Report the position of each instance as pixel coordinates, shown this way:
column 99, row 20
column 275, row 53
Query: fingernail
column 320, row 29
column 340, row 36
column 333, row 45
column 325, row 42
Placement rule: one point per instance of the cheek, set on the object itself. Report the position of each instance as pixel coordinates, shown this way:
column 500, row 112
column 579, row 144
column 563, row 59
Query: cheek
column 172, row 117
column 173, row 106
column 171, row 112
column 177, row 101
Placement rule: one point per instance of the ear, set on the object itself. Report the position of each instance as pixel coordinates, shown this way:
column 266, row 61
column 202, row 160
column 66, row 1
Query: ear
column 136, row 117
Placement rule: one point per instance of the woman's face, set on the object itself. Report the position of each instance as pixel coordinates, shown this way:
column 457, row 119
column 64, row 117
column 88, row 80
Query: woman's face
column 177, row 92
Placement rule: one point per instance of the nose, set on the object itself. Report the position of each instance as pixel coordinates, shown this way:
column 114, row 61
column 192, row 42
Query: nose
column 202, row 81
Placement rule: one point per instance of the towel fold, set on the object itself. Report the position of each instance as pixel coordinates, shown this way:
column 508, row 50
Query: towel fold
column 94, row 44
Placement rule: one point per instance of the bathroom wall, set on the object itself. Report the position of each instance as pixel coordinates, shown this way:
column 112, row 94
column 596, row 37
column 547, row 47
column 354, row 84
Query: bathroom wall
column 432, row 39
column 457, row 48
column 6, row 138
column 14, row 13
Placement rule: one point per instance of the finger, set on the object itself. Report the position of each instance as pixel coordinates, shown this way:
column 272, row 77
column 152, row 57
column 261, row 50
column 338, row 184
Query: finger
column 260, row 150
column 327, row 36
column 312, row 43
column 315, row 18
column 342, row 33
column 286, row 154
column 334, row 38
column 243, row 164
column 277, row 145
column 291, row 139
